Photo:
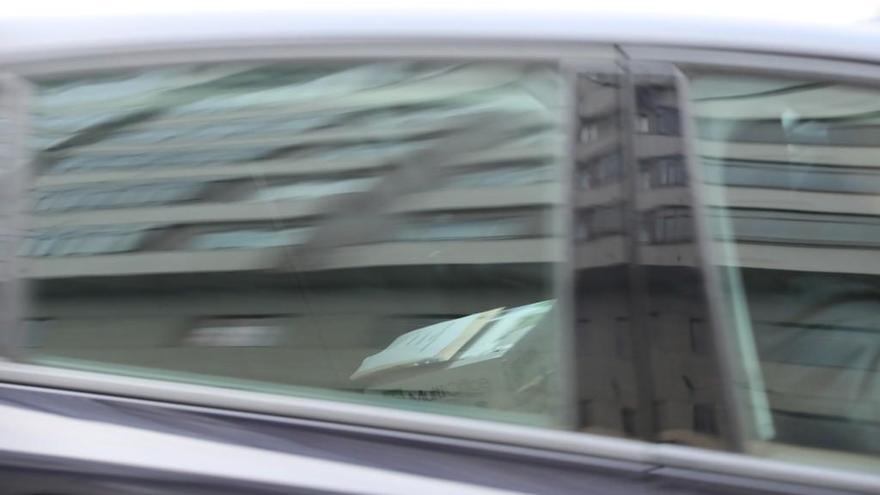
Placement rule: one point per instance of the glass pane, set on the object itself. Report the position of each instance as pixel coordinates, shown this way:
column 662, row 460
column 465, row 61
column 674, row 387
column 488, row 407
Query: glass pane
column 382, row 232
column 646, row 363
column 792, row 185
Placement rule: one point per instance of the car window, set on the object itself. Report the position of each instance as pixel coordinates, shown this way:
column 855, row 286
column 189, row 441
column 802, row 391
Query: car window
column 790, row 182
column 504, row 240
column 383, row 232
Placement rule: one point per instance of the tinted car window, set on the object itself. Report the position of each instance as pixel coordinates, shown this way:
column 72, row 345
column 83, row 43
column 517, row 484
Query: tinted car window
column 432, row 236
column 790, row 174
column 385, row 232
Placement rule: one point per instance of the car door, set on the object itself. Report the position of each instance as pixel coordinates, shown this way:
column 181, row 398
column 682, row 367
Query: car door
column 468, row 270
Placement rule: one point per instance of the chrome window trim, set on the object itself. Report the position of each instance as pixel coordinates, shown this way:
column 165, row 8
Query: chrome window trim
column 320, row 409
column 407, row 421
column 54, row 62
column 345, row 428
column 852, row 72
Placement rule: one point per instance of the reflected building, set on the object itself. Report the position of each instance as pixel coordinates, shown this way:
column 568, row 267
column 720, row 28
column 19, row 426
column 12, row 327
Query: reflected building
column 646, row 365
column 280, row 224
column 274, row 226
column 786, row 175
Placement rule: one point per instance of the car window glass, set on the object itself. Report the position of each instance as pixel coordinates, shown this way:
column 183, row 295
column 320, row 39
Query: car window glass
column 387, row 232
column 431, row 236
column 791, row 187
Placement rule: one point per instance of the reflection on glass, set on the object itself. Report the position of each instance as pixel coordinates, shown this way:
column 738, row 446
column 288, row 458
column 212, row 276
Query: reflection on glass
column 282, row 227
column 487, row 359
column 90, row 197
column 791, row 180
column 645, row 368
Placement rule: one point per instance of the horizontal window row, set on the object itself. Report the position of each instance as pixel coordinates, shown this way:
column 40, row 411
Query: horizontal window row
column 792, row 176
column 92, row 240
column 810, row 229
column 122, row 195
column 358, row 150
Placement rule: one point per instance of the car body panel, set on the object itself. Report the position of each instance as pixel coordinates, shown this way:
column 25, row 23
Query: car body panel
column 57, row 441
column 87, row 439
